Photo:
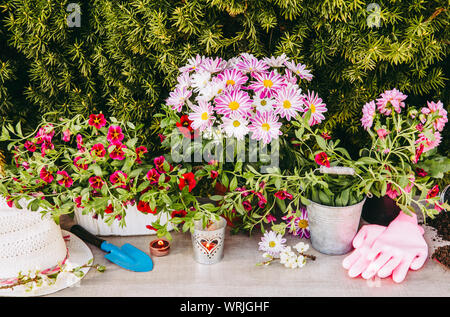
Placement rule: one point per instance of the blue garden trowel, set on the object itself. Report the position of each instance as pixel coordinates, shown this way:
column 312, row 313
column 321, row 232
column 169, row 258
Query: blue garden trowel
column 127, row 256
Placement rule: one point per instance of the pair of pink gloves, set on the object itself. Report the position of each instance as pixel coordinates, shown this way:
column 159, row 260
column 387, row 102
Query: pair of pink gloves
column 386, row 251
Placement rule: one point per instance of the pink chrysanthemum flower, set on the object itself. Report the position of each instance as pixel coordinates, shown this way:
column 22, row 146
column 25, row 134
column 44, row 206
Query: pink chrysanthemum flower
column 234, row 102
column 288, row 102
column 299, row 226
column 265, row 127
column 193, row 64
column 203, row 116
column 178, row 97
column 213, row 65
column 252, row 65
column 299, row 69
column 428, row 143
column 439, row 123
column 289, row 78
column 267, row 84
column 232, row 78
column 369, row 111
column 392, row 98
column 314, row 104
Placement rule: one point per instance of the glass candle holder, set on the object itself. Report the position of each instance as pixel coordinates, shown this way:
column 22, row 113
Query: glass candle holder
column 208, row 241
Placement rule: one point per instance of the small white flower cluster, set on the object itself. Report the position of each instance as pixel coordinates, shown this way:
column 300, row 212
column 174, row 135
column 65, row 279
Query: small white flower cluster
column 274, row 248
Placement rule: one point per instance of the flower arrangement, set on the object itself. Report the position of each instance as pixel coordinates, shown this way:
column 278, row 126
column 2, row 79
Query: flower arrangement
column 274, row 248
column 390, row 165
column 100, row 167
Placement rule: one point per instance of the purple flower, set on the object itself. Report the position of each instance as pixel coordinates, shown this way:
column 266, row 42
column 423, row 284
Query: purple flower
column 299, row 226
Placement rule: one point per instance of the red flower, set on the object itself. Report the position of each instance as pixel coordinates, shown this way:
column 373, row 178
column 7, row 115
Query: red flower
column 421, row 172
column 159, row 164
column 282, row 194
column 66, row 180
column 161, row 137
column 141, row 150
column 115, row 135
column 9, row 201
column 179, row 213
column 66, row 135
column 433, row 192
column 45, row 175
column 322, row 159
column 79, row 139
column 187, row 179
column 98, row 150
column 109, row 209
column 419, row 152
column 184, row 126
column 30, row 146
column 325, row 135
column 119, row 178
column 96, row 182
column 77, row 201
column 153, row 176
column 78, row 165
column 145, row 207
column 150, row 227
column 117, row 153
column 247, row 205
column 97, row 120
column 214, row 174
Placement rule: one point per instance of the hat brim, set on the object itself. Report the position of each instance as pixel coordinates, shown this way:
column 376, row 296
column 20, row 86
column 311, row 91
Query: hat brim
column 79, row 254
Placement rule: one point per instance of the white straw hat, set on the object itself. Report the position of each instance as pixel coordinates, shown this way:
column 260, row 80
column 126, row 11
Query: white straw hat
column 34, row 246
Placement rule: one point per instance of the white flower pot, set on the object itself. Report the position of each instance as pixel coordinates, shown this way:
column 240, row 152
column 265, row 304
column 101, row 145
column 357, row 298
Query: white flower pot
column 135, row 223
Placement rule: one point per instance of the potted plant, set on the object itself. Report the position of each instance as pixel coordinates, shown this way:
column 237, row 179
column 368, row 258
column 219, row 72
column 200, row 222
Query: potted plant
column 100, row 170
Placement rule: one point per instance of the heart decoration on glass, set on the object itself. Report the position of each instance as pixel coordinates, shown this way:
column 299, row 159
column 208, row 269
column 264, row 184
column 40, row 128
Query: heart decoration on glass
column 209, row 245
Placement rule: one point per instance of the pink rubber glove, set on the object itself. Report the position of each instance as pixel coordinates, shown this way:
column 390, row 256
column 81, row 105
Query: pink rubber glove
column 357, row 262
column 398, row 248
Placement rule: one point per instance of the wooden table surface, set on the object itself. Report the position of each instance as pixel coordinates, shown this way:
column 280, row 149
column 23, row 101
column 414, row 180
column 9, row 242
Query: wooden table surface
column 178, row 275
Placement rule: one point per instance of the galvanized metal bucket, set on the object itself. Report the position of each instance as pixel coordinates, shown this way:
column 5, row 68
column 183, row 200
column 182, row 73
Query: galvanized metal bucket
column 333, row 228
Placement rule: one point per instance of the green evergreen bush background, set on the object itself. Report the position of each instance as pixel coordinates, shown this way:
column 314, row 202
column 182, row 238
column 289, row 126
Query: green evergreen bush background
column 124, row 58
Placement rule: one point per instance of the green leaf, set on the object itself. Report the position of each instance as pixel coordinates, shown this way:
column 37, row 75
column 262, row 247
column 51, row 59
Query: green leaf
column 233, row 184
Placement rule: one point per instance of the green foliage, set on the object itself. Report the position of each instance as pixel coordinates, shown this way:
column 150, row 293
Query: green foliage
column 124, row 58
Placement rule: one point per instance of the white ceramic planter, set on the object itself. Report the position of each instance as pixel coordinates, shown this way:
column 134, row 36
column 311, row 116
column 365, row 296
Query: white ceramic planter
column 135, row 221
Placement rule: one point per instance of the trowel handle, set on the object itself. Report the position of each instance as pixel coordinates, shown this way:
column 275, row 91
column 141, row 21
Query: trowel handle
column 86, row 236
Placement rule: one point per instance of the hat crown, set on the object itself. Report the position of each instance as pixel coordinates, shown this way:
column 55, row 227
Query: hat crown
column 29, row 242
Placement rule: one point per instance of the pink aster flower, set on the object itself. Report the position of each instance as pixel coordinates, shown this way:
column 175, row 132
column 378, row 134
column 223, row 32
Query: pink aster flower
column 193, row 64
column 390, row 98
column 252, row 65
column 288, row 102
column 117, row 153
column 369, row 111
column 233, row 102
column 98, row 150
column 119, row 179
column 178, row 97
column 277, row 61
column 65, row 179
column 46, row 175
column 66, row 135
column 299, row 69
column 232, row 78
column 265, row 127
column 289, row 78
column 267, row 84
column 203, row 116
column 314, row 104
column 429, row 143
column 115, row 135
column 299, row 226
column 213, row 65
column 438, row 108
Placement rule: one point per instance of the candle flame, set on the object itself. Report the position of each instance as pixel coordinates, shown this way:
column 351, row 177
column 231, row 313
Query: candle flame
column 160, row 242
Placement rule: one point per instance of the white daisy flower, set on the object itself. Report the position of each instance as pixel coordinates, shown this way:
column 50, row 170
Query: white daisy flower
column 213, row 89
column 300, row 261
column 203, row 116
column 235, row 126
column 200, row 80
column 272, row 243
column 263, row 104
column 301, row 247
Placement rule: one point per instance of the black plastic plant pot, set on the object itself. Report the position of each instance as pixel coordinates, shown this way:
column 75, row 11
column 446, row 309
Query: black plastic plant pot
column 380, row 211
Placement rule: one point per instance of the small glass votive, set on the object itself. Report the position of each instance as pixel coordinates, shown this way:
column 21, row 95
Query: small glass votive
column 159, row 247
column 208, row 241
